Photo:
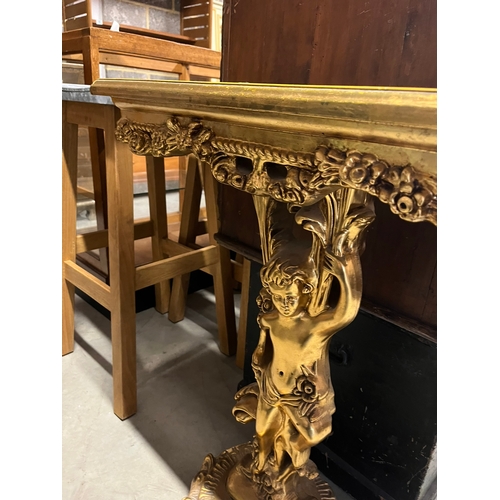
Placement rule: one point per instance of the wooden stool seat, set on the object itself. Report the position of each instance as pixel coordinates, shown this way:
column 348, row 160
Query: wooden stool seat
column 170, row 258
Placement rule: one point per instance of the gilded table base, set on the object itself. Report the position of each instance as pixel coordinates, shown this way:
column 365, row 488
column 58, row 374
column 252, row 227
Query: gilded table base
column 313, row 158
column 223, row 478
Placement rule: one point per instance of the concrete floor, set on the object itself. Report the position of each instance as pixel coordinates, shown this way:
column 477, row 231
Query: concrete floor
column 185, row 392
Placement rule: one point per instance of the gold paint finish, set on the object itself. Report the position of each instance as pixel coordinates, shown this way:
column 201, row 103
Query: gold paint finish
column 373, row 114
column 288, row 176
column 313, row 158
column 308, row 249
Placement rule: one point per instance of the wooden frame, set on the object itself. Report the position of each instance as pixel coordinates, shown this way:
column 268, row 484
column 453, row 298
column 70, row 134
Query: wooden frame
column 94, row 46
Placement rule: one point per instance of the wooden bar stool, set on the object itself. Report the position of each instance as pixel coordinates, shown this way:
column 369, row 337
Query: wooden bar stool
column 198, row 177
column 170, row 259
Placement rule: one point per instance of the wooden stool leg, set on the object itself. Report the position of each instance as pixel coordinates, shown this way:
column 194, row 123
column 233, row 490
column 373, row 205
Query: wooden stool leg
column 98, row 164
column 121, row 271
column 183, row 167
column 69, row 176
column 187, row 234
column 155, row 168
column 242, row 327
column 90, row 55
column 223, row 276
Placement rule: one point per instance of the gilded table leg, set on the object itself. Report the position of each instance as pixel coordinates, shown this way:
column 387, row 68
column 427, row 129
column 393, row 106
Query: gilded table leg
column 311, row 290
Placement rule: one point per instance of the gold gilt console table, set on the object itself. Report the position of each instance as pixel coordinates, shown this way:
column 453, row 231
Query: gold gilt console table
column 313, row 158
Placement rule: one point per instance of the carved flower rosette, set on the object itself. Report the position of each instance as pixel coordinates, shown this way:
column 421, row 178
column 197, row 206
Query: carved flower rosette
column 305, row 388
column 410, row 195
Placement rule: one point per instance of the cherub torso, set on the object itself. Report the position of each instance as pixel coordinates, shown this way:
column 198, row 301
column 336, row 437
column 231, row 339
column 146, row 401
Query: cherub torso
column 296, row 341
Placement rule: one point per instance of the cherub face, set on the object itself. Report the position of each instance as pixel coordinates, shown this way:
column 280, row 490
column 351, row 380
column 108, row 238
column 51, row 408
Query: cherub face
column 286, row 298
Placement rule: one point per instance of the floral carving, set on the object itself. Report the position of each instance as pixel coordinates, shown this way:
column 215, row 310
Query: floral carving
column 411, row 195
column 308, row 176
column 164, row 139
column 306, row 389
column 264, row 301
column 267, row 488
column 212, row 481
column 224, row 171
column 139, row 140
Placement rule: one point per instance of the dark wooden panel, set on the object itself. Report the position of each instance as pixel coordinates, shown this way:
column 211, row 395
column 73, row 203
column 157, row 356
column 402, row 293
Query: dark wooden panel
column 375, row 42
column 399, row 266
column 238, row 220
column 360, row 42
column 386, row 397
column 269, row 45
column 364, row 43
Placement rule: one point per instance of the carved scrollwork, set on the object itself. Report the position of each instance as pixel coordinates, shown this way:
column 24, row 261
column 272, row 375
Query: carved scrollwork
column 224, row 170
column 410, row 195
column 258, row 179
column 218, row 475
column 209, row 483
column 288, row 176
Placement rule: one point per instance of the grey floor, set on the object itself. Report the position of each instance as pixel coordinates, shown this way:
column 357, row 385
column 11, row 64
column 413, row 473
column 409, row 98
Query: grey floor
column 185, row 394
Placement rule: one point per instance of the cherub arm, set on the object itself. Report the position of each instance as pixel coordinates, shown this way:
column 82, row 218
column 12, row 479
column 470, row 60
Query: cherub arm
column 259, row 350
column 258, row 356
column 347, row 269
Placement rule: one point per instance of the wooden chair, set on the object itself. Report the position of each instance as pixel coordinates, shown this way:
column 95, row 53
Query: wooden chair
column 133, row 47
column 170, row 258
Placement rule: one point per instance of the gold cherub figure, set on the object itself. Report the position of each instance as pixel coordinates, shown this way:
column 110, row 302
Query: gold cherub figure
column 292, row 400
